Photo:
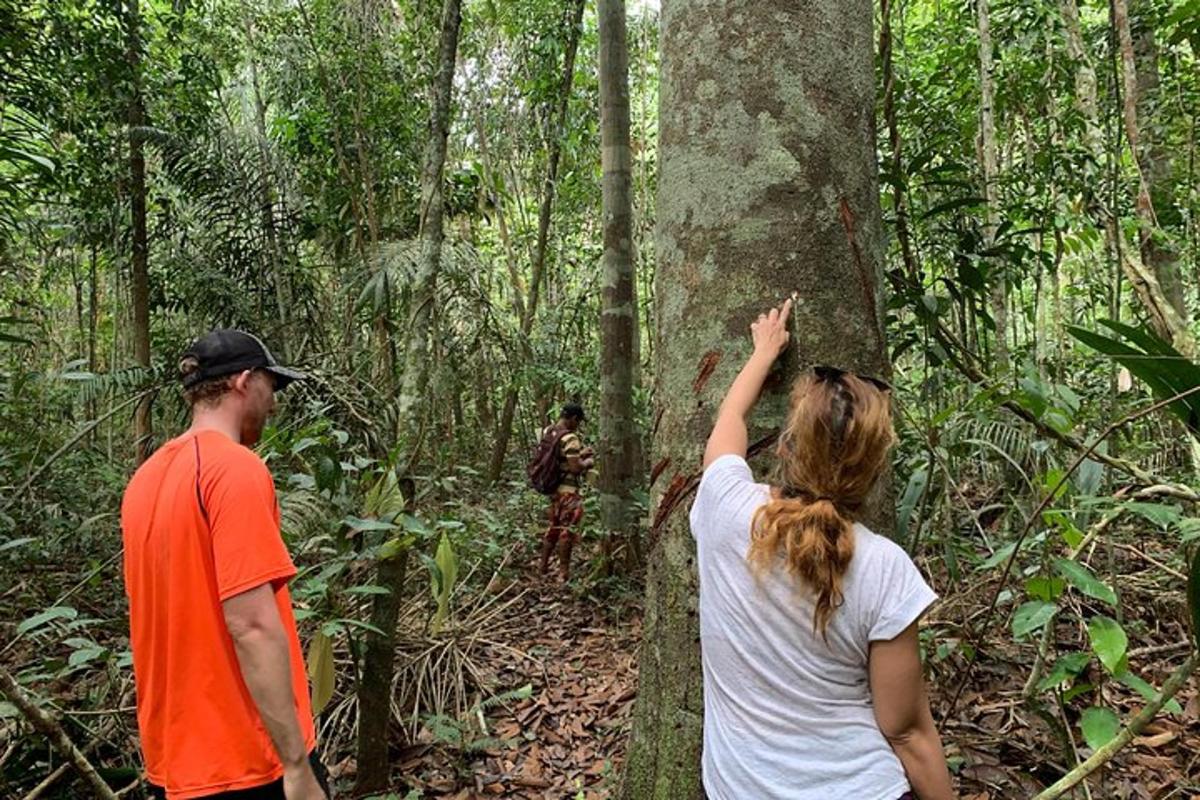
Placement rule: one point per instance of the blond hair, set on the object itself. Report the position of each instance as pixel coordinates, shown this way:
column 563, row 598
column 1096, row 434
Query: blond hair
column 832, row 450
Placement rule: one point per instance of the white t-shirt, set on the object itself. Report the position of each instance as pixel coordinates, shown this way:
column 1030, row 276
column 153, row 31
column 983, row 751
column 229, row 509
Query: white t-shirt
column 787, row 715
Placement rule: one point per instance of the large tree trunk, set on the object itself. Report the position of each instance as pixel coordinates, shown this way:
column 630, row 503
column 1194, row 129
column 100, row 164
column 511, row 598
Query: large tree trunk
column 374, row 696
column 139, row 271
column 618, row 315
column 987, row 152
column 768, row 185
column 504, row 433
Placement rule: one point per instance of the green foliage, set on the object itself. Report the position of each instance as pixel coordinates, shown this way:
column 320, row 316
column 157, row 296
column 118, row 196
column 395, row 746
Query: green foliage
column 1109, row 643
column 1099, row 726
column 1163, row 368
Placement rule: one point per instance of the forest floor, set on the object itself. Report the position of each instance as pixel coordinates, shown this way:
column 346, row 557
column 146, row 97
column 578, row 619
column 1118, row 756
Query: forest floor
column 577, row 651
column 568, row 739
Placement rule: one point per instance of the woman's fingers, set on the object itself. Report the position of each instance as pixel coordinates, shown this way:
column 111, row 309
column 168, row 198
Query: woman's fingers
column 786, row 311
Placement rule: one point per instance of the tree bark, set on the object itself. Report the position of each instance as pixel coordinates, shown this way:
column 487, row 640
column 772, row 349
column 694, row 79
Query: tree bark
column 374, row 698
column 618, row 315
column 139, row 271
column 1154, row 158
column 987, row 148
column 1167, row 321
column 897, row 177
column 504, row 432
column 768, row 185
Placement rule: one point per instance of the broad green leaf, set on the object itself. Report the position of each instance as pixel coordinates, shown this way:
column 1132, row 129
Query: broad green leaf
column 913, row 492
column 1162, row 368
column 1099, row 726
column 415, row 525
column 14, row 543
column 1031, row 616
column 320, row 670
column 1044, row 587
column 1109, row 643
column 53, row 613
column 359, row 524
column 84, row 655
column 394, row 547
column 444, row 576
column 1082, row 579
column 368, row 589
column 1066, row 668
column 1161, row 514
column 997, row 558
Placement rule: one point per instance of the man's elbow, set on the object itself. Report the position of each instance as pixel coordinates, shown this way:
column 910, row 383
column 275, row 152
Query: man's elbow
column 251, row 616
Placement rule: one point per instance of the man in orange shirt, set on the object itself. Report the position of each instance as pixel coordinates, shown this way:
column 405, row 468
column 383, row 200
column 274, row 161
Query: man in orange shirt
column 222, row 696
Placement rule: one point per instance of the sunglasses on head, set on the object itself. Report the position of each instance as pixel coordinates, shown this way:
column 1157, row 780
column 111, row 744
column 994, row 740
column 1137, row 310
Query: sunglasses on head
column 825, row 372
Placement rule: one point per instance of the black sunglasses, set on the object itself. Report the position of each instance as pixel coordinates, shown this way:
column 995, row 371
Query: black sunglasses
column 825, row 372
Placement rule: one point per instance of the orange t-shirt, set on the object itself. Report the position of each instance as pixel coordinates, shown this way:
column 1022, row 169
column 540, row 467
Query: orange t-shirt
column 201, row 524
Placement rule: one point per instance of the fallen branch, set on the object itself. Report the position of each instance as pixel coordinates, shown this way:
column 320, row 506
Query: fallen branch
column 1105, row 753
column 46, row 725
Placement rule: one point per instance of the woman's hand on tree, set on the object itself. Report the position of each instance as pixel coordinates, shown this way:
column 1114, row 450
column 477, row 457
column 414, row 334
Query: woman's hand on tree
column 770, row 331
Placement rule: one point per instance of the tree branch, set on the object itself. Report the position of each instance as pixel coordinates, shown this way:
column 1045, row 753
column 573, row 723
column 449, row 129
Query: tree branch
column 49, row 727
column 1105, row 754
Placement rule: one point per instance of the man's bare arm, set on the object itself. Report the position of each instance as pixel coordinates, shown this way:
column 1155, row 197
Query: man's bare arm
column 261, row 643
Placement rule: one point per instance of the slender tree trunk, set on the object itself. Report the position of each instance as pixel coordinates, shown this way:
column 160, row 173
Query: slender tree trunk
column 897, row 177
column 763, row 190
column 504, row 433
column 267, row 195
column 1162, row 314
column 1154, row 158
column 374, row 698
column 987, row 144
column 618, row 315
column 1085, row 77
column 139, row 271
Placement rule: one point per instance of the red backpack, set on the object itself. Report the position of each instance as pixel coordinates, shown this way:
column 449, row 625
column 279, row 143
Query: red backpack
column 545, row 473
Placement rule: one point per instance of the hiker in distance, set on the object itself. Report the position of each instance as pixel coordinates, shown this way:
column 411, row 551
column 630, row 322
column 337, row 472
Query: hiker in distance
column 808, row 620
column 222, row 695
column 557, row 469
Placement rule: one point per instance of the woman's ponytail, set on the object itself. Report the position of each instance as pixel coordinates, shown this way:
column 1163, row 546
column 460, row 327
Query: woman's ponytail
column 817, row 543
column 830, row 454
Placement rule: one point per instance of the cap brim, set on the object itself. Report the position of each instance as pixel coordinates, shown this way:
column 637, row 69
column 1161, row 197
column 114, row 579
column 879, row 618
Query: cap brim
column 284, row 377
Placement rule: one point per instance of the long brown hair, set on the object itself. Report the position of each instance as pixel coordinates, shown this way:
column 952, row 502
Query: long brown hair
column 834, row 447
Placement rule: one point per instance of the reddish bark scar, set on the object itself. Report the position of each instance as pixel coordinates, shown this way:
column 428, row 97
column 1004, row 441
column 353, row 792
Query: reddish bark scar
column 864, row 279
column 657, row 470
column 708, row 363
column 680, row 487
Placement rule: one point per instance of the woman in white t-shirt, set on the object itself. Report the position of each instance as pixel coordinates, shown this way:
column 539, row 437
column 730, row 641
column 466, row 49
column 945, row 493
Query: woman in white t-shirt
column 812, row 675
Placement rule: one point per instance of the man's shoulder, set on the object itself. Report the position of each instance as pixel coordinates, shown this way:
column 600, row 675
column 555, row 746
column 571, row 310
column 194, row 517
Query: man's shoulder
column 218, row 453
column 571, row 441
